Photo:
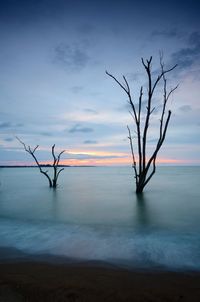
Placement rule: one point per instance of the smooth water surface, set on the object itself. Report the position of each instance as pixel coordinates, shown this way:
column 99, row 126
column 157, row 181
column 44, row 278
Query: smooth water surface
column 95, row 214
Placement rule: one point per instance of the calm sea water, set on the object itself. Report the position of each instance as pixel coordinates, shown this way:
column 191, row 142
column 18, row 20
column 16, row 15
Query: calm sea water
column 95, row 215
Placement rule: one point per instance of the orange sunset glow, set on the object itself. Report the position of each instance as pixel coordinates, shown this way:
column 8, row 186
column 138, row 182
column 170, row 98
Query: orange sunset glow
column 100, row 158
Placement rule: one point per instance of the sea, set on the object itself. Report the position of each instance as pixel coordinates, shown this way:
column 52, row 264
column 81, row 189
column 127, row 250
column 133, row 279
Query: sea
column 95, row 215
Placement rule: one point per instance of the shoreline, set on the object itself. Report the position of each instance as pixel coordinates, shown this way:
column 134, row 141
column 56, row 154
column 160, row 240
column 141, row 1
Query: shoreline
column 13, row 255
column 42, row 281
column 39, row 278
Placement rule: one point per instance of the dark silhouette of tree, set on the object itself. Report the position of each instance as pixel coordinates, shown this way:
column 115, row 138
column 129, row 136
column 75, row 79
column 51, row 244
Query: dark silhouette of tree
column 55, row 165
column 145, row 168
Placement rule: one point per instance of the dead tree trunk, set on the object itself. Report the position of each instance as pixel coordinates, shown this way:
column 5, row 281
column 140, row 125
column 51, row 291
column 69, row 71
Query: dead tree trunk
column 145, row 167
column 56, row 171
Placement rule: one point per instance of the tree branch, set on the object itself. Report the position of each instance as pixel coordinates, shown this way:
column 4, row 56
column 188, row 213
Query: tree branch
column 144, row 175
column 148, row 70
column 59, row 173
column 59, row 155
column 31, row 152
column 133, row 156
column 127, row 90
column 110, row 75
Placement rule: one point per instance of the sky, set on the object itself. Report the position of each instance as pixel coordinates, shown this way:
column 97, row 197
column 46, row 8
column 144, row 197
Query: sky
column 54, row 90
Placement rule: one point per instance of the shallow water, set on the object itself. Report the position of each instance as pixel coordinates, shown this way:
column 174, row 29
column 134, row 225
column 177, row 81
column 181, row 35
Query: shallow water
column 95, row 215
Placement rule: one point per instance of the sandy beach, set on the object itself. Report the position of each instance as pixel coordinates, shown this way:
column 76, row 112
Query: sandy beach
column 40, row 281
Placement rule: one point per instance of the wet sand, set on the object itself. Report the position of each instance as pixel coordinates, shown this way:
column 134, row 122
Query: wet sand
column 40, row 281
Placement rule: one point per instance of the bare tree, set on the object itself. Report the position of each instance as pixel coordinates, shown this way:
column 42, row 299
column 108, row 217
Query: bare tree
column 145, row 167
column 55, row 165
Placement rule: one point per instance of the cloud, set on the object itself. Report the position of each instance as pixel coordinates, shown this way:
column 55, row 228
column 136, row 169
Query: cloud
column 5, row 125
column 76, row 89
column 46, row 133
column 79, row 128
column 90, row 142
column 194, row 38
column 185, row 108
column 187, row 56
column 8, row 139
column 91, row 111
column 103, row 117
column 71, row 56
column 171, row 33
column 92, row 156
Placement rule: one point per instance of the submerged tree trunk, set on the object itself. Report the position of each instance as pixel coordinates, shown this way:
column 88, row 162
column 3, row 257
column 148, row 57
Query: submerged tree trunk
column 145, row 167
column 140, row 184
column 56, row 161
column 52, row 182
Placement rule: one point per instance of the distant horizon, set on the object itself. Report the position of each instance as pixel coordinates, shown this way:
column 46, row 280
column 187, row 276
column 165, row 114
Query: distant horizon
column 107, row 166
column 93, row 158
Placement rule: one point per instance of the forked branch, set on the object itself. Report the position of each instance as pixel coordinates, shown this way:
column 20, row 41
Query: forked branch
column 55, row 165
column 142, row 171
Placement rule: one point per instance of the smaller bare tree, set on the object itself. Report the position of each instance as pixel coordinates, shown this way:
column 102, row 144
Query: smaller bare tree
column 145, row 168
column 55, row 165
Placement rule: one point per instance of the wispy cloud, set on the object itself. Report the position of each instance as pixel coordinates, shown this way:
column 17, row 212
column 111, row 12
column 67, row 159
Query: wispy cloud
column 170, row 33
column 8, row 139
column 5, row 125
column 88, row 156
column 79, row 128
column 76, row 89
column 187, row 56
column 101, row 117
column 46, row 133
column 90, row 142
column 72, row 57
column 88, row 110
column 185, row 108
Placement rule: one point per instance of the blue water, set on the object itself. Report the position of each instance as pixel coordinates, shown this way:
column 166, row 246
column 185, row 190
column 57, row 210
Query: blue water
column 95, row 215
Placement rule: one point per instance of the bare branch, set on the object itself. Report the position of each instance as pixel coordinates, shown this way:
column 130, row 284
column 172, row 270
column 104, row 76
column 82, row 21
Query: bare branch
column 148, row 70
column 53, row 154
column 127, row 90
column 131, row 144
column 35, row 148
column 25, row 148
column 160, row 142
column 133, row 156
column 171, row 91
column 110, row 75
column 53, row 181
column 31, row 152
column 161, row 75
column 127, row 85
column 152, row 173
column 59, row 155
column 147, row 167
column 147, row 66
column 59, row 173
column 140, row 103
column 132, row 115
column 152, row 110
